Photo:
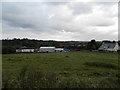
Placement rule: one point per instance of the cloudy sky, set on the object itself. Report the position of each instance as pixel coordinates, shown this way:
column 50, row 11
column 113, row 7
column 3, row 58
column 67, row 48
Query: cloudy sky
column 60, row 20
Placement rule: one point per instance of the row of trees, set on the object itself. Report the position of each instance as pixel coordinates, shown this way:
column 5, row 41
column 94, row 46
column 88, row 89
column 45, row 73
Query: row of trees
column 93, row 45
column 10, row 46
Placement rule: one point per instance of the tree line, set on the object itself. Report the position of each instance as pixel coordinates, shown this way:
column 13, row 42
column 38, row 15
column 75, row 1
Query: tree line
column 10, row 45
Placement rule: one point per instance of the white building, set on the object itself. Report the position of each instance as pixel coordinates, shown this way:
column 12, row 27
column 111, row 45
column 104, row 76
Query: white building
column 27, row 50
column 24, row 50
column 47, row 49
column 59, row 50
column 109, row 47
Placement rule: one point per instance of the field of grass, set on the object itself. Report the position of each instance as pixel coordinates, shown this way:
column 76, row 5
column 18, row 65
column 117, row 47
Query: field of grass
column 61, row 70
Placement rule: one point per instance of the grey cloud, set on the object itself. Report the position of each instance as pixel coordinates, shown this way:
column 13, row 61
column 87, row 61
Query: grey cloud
column 25, row 18
column 55, row 21
column 55, row 3
column 81, row 8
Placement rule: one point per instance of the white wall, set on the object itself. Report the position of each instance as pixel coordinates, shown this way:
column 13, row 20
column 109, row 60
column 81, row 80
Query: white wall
column 47, row 49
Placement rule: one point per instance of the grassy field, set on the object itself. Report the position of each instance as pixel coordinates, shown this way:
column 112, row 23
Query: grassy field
column 61, row 70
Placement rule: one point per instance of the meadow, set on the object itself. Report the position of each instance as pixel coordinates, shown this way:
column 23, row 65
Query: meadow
column 83, row 69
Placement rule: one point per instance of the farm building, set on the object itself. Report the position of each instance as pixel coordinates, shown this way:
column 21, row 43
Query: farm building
column 41, row 49
column 47, row 49
column 24, row 50
column 66, row 50
column 52, row 49
column 59, row 50
column 109, row 46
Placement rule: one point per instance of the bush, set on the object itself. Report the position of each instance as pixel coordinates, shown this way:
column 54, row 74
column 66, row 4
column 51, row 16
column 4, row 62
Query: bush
column 100, row 64
column 8, row 49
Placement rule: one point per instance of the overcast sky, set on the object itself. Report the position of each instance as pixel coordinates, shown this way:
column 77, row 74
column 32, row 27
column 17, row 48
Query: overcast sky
column 60, row 20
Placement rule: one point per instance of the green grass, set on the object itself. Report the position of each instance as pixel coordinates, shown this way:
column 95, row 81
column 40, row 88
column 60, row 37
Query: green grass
column 61, row 70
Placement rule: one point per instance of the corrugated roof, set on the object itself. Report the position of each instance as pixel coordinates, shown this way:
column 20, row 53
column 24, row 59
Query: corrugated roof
column 59, row 49
column 47, row 47
column 107, row 46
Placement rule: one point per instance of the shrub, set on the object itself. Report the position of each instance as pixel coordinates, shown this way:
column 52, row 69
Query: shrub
column 8, row 49
column 100, row 64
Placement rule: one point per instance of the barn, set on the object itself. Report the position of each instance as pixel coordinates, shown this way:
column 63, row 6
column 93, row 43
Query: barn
column 27, row 50
column 24, row 50
column 109, row 46
column 47, row 49
column 59, row 50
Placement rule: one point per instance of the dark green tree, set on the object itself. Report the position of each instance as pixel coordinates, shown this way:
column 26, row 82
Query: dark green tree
column 92, row 45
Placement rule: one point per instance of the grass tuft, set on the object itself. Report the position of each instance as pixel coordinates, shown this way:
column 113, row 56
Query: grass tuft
column 100, row 64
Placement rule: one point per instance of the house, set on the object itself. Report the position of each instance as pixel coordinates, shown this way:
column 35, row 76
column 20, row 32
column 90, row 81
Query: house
column 109, row 46
column 46, row 49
